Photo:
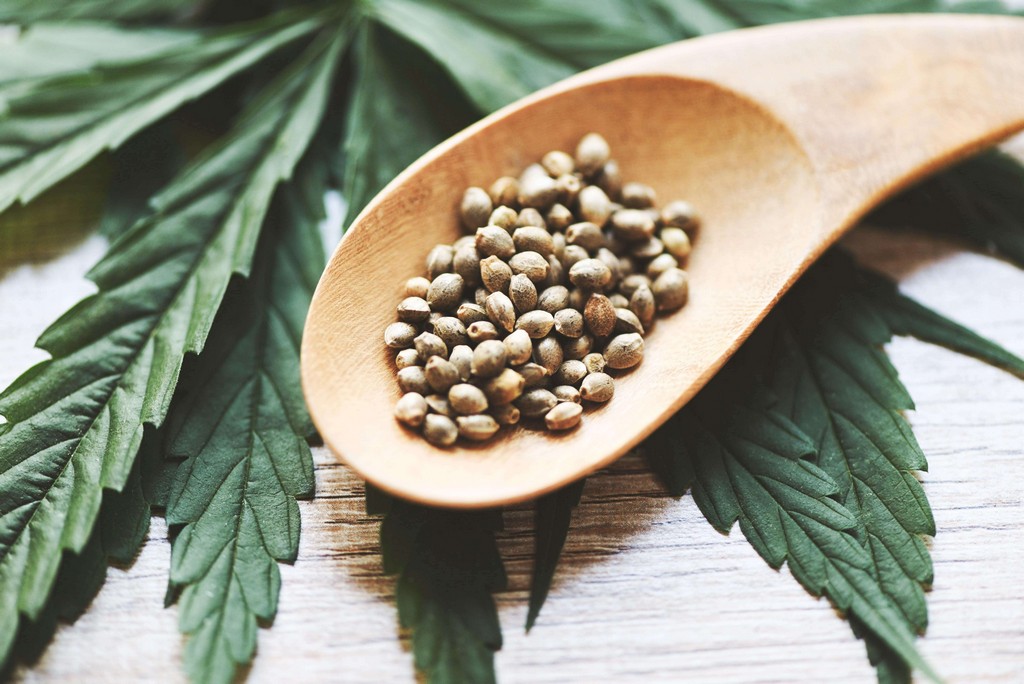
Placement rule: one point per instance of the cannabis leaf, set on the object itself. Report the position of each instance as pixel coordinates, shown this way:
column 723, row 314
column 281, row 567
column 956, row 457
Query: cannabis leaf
column 54, row 125
column 31, row 11
column 551, row 525
column 76, row 421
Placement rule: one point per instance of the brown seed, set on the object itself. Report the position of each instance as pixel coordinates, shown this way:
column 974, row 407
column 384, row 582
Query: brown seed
column 610, row 179
column 467, row 399
column 643, row 305
column 450, row 330
column 573, row 254
column 464, row 241
column 594, row 204
column 489, row 358
column 482, row 331
column 501, row 311
column 565, row 416
column 578, row 298
column 647, row 249
column 429, row 344
column 471, row 313
column 637, row 196
column 558, row 163
column 592, row 153
column 548, row 353
column 553, row 299
column 504, row 191
column 441, row 374
column 631, row 284
column 503, row 217
column 413, row 379
column 480, row 294
column 587, row 235
column 680, row 214
column 671, row 289
column 537, row 324
column 594, row 362
column 504, row 388
column 534, row 375
column 632, row 225
column 477, row 428
column 571, row 372
column 400, row 335
column 518, row 347
column 494, row 241
column 439, row 260
column 597, row 387
column 406, row 358
column 627, row 322
column 660, row 264
column 440, row 430
column 467, row 264
column 577, row 347
column 569, row 322
column 626, row 266
column 438, row 403
column 536, row 188
column 536, row 403
column 677, row 243
column 618, row 300
column 566, row 393
column 624, row 351
column 569, row 187
column 556, row 273
column 505, row 415
column 599, row 315
column 523, row 293
column 530, row 217
column 532, row 264
column 608, row 258
column 411, row 409
column 462, row 358
column 495, row 274
column 417, row 287
column 434, row 315
column 615, row 244
column 533, row 239
column 413, row 310
column 445, row 292
column 475, row 208
column 559, row 217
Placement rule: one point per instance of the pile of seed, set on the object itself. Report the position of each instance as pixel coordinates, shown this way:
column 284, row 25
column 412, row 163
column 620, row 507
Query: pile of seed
column 546, row 298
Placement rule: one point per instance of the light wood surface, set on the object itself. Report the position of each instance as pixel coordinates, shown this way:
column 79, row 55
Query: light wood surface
column 647, row 591
column 780, row 136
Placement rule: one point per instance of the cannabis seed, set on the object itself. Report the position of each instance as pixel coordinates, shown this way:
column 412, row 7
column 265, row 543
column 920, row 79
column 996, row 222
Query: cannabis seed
column 413, row 379
column 462, row 358
column 571, row 372
column 594, row 205
column 489, row 358
column 643, row 305
column 477, row 428
column 564, row 416
column 677, row 243
column 558, row 163
column 445, row 292
column 671, row 289
column 523, row 293
column 566, row 393
column 440, row 430
column 480, row 294
column 592, row 153
column 505, row 415
column 569, row 187
column 530, row 217
column 590, row 274
column 647, row 249
column 632, row 225
column 411, row 409
column 578, row 347
column 536, row 403
column 599, row 315
column 495, row 274
column 475, row 208
column 631, row 283
column 471, row 313
column 440, row 374
column 556, row 273
column 501, row 311
column 532, row 264
column 548, row 353
column 637, row 196
column 597, row 387
column 660, row 264
column 439, row 260
column 533, row 239
column 569, row 322
column 494, row 241
column 624, row 351
column 467, row 264
column 594, row 362
column 537, row 324
column 518, row 347
column 450, row 330
column 504, row 388
column 482, row 331
column 536, row 188
column 504, row 191
column 553, row 299
column 406, row 358
column 417, row 287
column 586, row 235
column 429, row 344
column 680, row 214
column 627, row 322
column 618, row 300
column 400, row 335
column 467, row 399
column 439, row 404
column 534, row 375
column 503, row 217
column 559, row 218
column 413, row 310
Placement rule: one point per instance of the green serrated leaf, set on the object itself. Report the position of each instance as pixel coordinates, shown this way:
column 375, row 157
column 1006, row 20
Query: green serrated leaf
column 76, row 421
column 54, row 125
column 551, row 523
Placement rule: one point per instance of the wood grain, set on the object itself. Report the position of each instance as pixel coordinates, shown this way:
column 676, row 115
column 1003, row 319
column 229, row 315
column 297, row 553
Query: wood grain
column 647, row 592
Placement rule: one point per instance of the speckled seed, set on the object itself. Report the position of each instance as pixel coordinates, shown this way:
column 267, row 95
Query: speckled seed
column 441, row 374
column 518, row 347
column 534, row 375
column 467, row 399
column 599, row 315
column 440, row 430
column 530, row 217
column 537, row 324
column 565, row 416
column 594, row 362
column 495, row 274
column 637, row 196
column 400, row 335
column 680, row 214
column 556, row 273
column 505, row 415
column 632, row 225
column 569, row 322
column 558, row 240
column 467, row 264
column 573, row 254
column 647, row 249
column 660, row 264
column 477, row 428
column 429, row 344
column 504, row 191
column 536, row 403
column 480, row 295
column 578, row 298
column 406, row 358
column 417, row 287
column 608, row 258
column 586, row 234
column 618, row 300
column 610, row 179
column 536, row 188
column 671, row 289
column 533, row 239
column 548, row 353
column 594, row 205
column 464, row 241
column 553, row 299
column 577, row 348
column 630, row 284
column 627, row 322
column 413, row 310
column 494, row 241
column 597, row 387
column 503, row 217
column 523, row 293
column 445, row 292
column 531, row 264
column 471, row 313
column 450, row 330
column 566, row 393
column 571, row 372
column 489, row 358
column 438, row 403
column 413, row 379
column 439, row 260
column 501, row 311
column 462, row 358
column 434, row 315
column 677, row 242
column 481, row 331
column 624, row 351
column 643, row 305
column 591, row 154
column 569, row 187
column 558, row 163
column 411, row 409
column 558, row 217
column 504, row 388
column 475, row 208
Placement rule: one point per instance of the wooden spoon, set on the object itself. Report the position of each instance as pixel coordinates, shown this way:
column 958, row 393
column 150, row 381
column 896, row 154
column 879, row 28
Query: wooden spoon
column 781, row 136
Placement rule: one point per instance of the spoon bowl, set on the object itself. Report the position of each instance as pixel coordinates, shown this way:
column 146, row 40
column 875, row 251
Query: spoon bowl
column 779, row 157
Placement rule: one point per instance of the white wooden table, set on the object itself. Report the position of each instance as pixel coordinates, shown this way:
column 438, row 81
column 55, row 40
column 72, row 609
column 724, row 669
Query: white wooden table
column 647, row 590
